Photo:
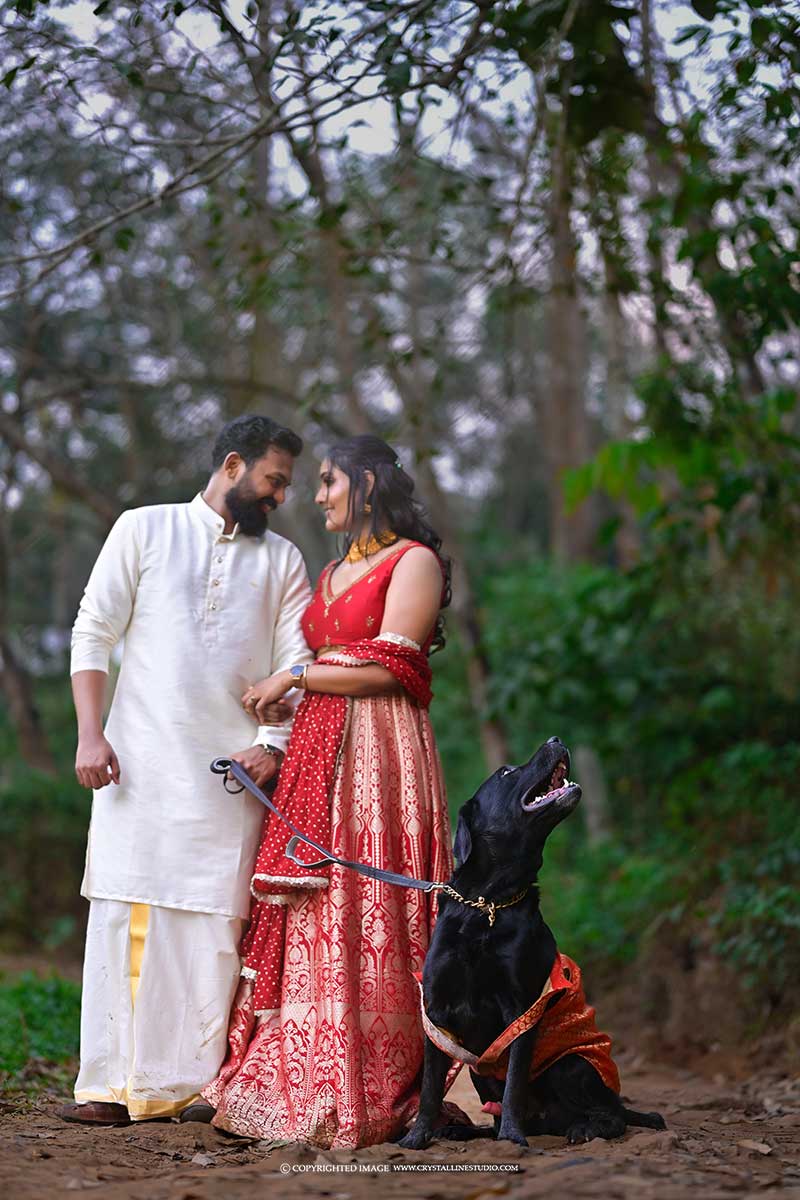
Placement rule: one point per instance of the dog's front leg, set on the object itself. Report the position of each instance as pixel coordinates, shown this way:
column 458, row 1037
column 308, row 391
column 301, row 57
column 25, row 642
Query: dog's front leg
column 515, row 1095
column 434, row 1074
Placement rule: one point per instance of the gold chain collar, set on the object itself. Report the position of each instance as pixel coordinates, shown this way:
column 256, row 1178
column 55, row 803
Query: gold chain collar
column 490, row 907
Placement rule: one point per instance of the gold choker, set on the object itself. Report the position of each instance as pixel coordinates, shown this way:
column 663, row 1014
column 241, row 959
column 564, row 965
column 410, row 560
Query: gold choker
column 359, row 550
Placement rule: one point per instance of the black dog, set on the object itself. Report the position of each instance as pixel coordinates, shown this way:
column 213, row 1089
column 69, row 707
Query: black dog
column 492, row 958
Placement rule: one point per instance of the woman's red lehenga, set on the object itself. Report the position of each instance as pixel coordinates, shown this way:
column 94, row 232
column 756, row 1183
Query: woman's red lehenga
column 325, row 1040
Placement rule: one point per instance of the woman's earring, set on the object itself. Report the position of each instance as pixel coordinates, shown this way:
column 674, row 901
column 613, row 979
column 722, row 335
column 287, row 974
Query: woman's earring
column 368, row 507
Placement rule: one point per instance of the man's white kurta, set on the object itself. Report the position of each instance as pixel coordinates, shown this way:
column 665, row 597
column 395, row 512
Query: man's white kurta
column 203, row 615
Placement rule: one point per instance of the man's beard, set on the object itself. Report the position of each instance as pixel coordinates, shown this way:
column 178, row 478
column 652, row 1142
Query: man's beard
column 247, row 510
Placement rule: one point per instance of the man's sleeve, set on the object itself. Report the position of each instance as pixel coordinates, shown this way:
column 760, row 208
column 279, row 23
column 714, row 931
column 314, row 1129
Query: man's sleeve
column 107, row 603
column 288, row 643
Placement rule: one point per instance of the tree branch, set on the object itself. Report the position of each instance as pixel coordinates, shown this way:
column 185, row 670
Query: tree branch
column 59, row 471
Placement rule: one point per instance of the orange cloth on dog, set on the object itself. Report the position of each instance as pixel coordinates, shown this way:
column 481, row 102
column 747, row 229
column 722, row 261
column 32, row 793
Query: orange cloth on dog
column 565, row 1025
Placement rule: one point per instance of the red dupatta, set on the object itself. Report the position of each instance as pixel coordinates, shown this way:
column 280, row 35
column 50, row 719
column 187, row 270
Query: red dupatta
column 303, row 793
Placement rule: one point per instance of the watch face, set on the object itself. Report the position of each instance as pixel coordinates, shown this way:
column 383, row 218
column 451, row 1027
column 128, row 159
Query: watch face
column 295, row 672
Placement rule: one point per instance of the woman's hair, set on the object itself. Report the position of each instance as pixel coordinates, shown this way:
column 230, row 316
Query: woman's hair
column 392, row 500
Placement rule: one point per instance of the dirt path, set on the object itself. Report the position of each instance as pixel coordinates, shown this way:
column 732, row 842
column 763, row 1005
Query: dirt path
column 725, row 1137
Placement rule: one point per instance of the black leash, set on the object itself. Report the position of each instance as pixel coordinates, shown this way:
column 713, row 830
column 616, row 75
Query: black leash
column 227, row 766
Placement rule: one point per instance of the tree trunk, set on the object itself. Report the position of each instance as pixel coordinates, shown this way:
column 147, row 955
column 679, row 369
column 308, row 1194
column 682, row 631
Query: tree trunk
column 467, row 619
column 266, row 366
column 627, row 541
column 17, row 688
column 15, row 680
column 334, row 259
column 414, row 390
column 59, row 470
column 659, row 290
column 594, row 800
column 564, row 419
column 734, row 332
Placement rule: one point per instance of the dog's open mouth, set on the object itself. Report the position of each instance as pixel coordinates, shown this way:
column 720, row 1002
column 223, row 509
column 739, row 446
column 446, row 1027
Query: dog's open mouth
column 553, row 788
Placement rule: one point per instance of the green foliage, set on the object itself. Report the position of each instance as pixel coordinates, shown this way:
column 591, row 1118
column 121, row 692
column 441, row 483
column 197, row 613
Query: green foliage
column 11, row 75
column 605, row 91
column 600, row 900
column 686, row 686
column 43, row 824
column 455, row 725
column 39, row 1020
column 727, row 477
column 758, row 925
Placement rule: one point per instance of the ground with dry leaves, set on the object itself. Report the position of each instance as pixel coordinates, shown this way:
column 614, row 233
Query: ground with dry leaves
column 734, row 1130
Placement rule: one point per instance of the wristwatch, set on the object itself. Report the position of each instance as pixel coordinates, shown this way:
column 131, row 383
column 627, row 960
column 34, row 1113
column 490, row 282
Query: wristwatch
column 298, row 673
column 273, row 750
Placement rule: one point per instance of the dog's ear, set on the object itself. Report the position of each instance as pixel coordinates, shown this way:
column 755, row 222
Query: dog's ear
column 462, row 845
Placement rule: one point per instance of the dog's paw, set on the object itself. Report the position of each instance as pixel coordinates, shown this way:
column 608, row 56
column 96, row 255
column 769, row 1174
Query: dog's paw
column 511, row 1132
column 581, row 1131
column 415, row 1139
column 464, row 1133
column 656, row 1121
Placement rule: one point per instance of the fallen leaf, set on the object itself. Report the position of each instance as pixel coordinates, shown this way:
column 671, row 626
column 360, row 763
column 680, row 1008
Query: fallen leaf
column 203, row 1160
column 756, row 1147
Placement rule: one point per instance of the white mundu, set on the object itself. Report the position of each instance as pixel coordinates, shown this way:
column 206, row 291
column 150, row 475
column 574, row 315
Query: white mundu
column 203, row 615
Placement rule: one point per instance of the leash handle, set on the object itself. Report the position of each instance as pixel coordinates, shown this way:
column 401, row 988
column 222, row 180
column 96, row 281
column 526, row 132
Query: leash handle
column 292, row 845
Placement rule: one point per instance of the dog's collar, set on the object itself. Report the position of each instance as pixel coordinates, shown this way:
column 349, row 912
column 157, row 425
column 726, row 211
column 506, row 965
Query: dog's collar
column 489, row 907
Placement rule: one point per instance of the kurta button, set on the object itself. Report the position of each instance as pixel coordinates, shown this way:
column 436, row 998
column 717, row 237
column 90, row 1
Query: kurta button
column 220, row 558
column 212, row 607
column 215, row 583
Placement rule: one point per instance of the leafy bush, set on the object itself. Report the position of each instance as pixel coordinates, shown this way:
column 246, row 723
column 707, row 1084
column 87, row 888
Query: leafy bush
column 39, row 1020
column 686, row 690
column 43, row 824
column 600, row 900
column 455, row 725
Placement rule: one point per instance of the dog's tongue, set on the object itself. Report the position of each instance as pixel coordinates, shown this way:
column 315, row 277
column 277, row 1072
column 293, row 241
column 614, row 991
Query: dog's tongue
column 558, row 776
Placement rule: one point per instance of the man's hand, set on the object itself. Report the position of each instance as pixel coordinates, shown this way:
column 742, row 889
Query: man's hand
column 96, row 764
column 261, row 696
column 276, row 714
column 260, row 765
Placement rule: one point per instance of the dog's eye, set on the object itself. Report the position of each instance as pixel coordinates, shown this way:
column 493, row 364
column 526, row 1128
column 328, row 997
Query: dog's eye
column 507, row 771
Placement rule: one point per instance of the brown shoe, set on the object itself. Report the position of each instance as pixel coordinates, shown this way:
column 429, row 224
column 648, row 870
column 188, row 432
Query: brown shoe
column 96, row 1112
column 200, row 1110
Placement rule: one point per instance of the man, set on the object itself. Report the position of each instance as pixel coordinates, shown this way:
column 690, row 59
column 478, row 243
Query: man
column 209, row 602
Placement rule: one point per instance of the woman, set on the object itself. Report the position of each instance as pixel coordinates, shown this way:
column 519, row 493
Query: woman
column 325, row 1042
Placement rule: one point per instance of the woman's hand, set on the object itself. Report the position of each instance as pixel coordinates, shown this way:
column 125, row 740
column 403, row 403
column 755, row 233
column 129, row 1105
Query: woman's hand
column 259, row 698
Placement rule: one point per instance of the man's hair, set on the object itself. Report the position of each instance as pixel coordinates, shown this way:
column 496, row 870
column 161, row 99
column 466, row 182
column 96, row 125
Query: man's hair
column 251, row 437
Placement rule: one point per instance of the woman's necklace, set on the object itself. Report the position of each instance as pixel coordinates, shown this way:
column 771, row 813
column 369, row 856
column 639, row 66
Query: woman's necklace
column 372, row 545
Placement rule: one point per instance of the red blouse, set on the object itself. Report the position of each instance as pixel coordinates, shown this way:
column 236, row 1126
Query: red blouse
column 355, row 613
